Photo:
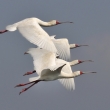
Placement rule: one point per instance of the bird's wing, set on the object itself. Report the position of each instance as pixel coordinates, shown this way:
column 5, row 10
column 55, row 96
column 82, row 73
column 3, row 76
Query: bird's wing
column 42, row 59
column 58, row 63
column 62, row 47
column 68, row 83
column 35, row 36
column 56, row 69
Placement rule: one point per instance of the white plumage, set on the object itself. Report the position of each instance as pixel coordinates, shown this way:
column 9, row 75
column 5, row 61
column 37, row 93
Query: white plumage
column 50, row 68
column 30, row 28
column 44, row 59
column 63, row 47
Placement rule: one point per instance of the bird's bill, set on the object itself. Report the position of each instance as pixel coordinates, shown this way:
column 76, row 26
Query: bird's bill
column 81, row 45
column 66, row 22
column 90, row 72
column 81, row 61
column 87, row 61
column 58, row 22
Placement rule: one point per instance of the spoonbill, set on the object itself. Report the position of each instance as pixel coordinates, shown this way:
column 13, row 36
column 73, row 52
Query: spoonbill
column 30, row 28
column 72, row 46
column 74, row 62
column 63, row 47
column 49, row 68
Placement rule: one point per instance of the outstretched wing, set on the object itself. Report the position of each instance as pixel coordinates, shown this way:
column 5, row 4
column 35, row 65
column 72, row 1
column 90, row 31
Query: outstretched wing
column 32, row 31
column 36, row 37
column 68, row 83
column 42, row 59
column 62, row 47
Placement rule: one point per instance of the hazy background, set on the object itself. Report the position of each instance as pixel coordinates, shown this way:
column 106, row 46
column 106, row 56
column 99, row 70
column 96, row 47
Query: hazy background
column 91, row 26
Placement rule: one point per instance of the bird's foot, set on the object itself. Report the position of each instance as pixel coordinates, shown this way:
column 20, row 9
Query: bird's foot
column 23, row 90
column 19, row 85
column 28, row 73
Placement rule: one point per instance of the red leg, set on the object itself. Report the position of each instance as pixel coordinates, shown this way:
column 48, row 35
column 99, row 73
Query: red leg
column 25, row 89
column 19, row 85
column 28, row 73
column 1, row 32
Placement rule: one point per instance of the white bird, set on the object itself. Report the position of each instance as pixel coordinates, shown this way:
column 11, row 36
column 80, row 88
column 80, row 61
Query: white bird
column 31, row 29
column 49, row 68
column 63, row 47
column 72, row 46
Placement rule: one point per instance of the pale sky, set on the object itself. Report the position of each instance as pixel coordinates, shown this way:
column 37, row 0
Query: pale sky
column 91, row 26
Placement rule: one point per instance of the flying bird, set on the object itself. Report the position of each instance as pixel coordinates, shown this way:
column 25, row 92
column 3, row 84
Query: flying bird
column 72, row 46
column 72, row 63
column 30, row 28
column 49, row 68
column 63, row 47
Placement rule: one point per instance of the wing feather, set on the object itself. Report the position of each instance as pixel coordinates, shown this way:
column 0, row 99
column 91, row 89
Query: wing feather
column 34, row 36
column 62, row 47
column 67, row 83
column 42, row 59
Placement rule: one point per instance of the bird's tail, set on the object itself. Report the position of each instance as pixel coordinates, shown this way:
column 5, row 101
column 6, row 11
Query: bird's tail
column 11, row 27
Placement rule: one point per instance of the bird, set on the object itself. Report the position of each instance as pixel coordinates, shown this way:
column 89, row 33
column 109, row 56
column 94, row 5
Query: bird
column 73, row 63
column 30, row 28
column 63, row 47
column 49, row 68
column 72, row 46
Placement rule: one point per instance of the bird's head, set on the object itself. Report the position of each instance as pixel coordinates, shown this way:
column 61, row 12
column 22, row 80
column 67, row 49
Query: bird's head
column 80, row 72
column 81, row 61
column 56, row 22
column 76, row 45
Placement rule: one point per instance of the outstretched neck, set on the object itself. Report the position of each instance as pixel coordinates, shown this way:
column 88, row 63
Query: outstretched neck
column 69, row 75
column 74, row 62
column 72, row 46
column 44, row 24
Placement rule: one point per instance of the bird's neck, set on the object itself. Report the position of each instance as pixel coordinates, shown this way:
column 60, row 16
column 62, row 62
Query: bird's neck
column 72, row 46
column 74, row 62
column 69, row 75
column 44, row 24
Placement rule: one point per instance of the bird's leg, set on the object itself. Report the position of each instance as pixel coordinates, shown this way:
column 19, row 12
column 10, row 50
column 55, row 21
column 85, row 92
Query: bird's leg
column 28, row 73
column 25, row 89
column 19, row 85
column 1, row 32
